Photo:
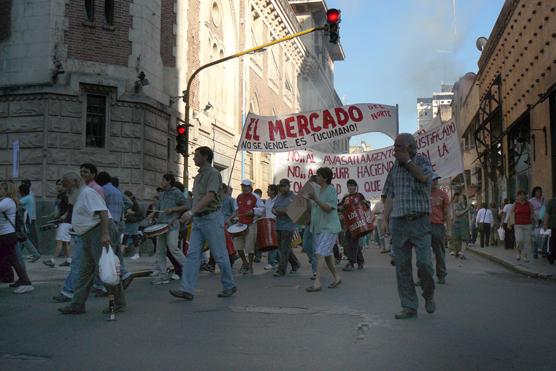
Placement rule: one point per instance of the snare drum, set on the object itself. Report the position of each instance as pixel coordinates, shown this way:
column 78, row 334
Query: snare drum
column 238, row 229
column 267, row 238
column 155, row 230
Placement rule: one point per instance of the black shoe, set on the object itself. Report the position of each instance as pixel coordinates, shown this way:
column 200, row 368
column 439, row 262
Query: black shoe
column 181, row 294
column 279, row 274
column 34, row 258
column 117, row 309
column 441, row 280
column 15, row 284
column 430, row 305
column 392, row 262
column 65, row 264
column 49, row 263
column 406, row 313
column 227, row 293
column 127, row 281
column 349, row 267
column 61, row 298
column 72, row 309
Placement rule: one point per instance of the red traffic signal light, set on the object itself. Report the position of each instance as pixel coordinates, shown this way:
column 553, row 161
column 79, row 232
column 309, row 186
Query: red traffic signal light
column 181, row 140
column 333, row 18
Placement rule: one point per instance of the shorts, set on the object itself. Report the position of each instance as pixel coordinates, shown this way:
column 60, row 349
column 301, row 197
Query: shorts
column 62, row 232
column 246, row 242
column 323, row 243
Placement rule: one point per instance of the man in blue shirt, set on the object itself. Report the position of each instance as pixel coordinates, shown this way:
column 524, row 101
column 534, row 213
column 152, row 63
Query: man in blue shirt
column 27, row 200
column 115, row 203
column 284, row 228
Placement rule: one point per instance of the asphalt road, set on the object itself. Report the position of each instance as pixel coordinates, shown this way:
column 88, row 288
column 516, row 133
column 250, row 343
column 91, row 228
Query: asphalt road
column 487, row 319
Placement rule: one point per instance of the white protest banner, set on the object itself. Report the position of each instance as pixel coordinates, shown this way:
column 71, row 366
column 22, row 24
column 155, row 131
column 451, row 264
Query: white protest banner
column 440, row 145
column 307, row 129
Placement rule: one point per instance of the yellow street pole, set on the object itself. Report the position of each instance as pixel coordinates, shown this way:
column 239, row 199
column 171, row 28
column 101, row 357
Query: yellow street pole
column 218, row 61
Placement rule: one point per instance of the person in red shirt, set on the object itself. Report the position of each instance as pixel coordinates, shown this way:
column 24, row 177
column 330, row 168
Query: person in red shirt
column 354, row 250
column 249, row 206
column 440, row 215
column 523, row 218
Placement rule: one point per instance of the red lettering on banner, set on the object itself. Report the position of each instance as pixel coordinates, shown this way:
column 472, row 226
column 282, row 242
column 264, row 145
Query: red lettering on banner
column 294, row 172
column 443, row 150
column 303, row 125
column 327, row 120
column 355, row 113
column 341, row 116
column 312, row 117
column 372, row 186
column 297, row 187
column 380, row 114
column 276, row 128
column 375, row 106
column 290, row 129
column 255, row 130
column 248, row 129
column 341, row 173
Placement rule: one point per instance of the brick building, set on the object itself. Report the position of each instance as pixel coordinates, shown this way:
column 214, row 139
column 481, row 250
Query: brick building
column 506, row 113
column 99, row 80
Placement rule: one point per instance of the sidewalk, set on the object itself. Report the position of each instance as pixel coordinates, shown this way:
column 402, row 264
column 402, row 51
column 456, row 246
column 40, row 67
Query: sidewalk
column 536, row 268
column 38, row 272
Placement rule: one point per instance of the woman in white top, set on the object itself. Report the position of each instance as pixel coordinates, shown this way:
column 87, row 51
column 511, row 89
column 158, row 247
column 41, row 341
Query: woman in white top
column 484, row 220
column 8, row 239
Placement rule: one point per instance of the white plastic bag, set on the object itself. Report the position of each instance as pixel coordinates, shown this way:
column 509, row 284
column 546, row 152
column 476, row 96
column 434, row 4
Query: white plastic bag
column 501, row 234
column 109, row 267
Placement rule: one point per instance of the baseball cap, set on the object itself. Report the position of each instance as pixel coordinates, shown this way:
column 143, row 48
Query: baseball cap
column 284, row 182
column 435, row 176
column 246, row 182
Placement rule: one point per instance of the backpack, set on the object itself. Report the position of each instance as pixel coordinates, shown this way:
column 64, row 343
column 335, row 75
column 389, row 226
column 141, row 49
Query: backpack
column 22, row 223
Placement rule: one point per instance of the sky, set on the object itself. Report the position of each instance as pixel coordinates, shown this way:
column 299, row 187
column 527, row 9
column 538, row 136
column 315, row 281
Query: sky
column 399, row 50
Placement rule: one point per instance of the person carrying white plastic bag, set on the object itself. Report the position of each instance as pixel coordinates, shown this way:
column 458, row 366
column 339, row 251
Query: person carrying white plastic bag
column 96, row 232
column 109, row 267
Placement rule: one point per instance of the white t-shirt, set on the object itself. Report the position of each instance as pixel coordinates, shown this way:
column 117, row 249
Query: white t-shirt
column 85, row 216
column 484, row 216
column 7, row 205
column 268, row 205
column 378, row 210
column 507, row 210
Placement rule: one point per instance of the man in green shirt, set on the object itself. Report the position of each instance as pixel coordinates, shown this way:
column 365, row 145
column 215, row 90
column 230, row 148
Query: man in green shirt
column 208, row 226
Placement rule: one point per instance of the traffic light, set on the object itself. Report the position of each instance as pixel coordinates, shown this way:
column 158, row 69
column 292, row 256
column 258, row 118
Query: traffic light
column 333, row 19
column 181, row 139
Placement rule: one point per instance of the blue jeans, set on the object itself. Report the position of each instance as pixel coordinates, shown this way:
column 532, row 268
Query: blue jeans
column 208, row 228
column 309, row 249
column 76, row 253
column 407, row 234
column 273, row 257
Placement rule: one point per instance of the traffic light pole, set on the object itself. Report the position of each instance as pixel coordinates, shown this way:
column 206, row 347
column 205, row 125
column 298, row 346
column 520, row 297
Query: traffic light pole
column 218, row 61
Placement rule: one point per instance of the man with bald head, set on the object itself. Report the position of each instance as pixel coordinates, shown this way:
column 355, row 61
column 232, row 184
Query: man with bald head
column 406, row 216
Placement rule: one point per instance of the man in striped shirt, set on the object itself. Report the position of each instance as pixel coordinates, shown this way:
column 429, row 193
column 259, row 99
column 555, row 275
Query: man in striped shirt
column 406, row 216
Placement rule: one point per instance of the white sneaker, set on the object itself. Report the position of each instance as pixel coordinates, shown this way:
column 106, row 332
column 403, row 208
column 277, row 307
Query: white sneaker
column 135, row 257
column 268, row 267
column 23, row 289
column 154, row 274
column 160, row 281
column 174, row 277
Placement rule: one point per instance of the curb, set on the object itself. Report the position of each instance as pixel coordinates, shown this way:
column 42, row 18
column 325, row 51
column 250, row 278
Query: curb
column 512, row 267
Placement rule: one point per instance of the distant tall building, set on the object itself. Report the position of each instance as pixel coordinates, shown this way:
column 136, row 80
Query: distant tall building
column 439, row 105
column 424, row 112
